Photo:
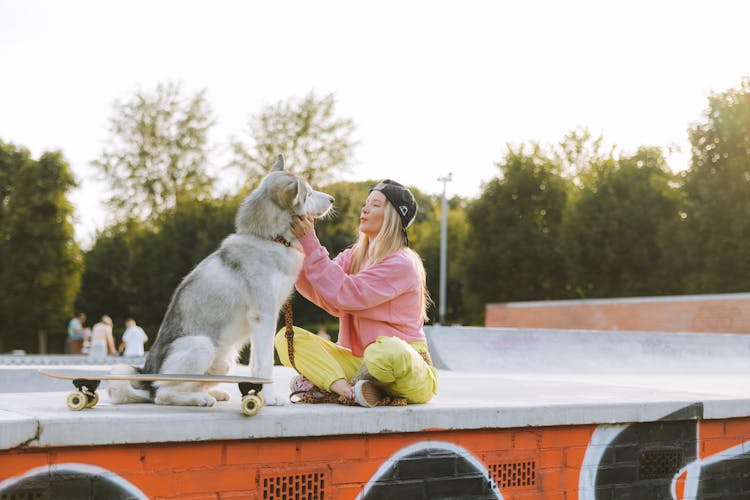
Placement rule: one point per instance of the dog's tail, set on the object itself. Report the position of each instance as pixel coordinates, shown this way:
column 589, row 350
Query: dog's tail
column 123, row 391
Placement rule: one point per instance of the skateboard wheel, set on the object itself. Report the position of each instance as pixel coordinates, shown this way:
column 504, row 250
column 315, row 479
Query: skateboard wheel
column 92, row 400
column 262, row 399
column 251, row 405
column 77, row 401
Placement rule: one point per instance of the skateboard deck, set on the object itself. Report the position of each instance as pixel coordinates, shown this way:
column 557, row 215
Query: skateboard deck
column 86, row 383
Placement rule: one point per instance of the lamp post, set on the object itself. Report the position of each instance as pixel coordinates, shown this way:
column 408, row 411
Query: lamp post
column 443, row 248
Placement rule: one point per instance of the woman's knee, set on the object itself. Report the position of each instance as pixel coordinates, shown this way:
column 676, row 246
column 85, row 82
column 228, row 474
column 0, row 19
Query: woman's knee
column 388, row 358
column 387, row 346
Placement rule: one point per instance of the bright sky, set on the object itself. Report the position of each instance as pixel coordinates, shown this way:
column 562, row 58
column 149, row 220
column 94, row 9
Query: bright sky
column 432, row 86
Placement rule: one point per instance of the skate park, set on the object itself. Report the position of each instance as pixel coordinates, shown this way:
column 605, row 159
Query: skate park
column 578, row 181
column 520, row 413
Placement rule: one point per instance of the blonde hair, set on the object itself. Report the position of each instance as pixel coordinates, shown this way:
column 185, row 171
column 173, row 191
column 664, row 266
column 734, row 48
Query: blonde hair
column 107, row 320
column 389, row 239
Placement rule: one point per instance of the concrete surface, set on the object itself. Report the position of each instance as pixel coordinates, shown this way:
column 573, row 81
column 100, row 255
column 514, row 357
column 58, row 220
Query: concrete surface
column 64, row 359
column 489, row 378
column 511, row 350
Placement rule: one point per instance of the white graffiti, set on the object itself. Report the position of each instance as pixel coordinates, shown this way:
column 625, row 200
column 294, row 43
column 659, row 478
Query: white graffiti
column 424, row 445
column 692, row 470
column 75, row 468
column 600, row 440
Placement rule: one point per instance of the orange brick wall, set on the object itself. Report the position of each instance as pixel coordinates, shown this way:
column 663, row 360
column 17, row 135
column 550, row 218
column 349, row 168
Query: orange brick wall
column 236, row 469
column 231, row 469
column 714, row 314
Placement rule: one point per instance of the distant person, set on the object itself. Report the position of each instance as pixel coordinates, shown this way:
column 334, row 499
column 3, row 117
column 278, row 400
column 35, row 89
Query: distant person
column 76, row 333
column 133, row 339
column 101, row 340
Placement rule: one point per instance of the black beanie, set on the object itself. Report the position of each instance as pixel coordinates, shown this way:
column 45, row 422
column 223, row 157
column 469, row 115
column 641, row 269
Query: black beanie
column 402, row 199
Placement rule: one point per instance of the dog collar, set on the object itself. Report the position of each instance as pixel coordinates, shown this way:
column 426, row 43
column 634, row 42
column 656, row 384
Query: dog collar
column 282, row 240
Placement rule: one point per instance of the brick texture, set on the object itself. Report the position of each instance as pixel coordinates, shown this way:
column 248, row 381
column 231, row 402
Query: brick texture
column 715, row 313
column 546, row 462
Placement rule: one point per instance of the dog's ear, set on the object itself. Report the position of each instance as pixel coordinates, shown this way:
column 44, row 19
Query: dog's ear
column 279, row 165
column 300, row 190
column 287, row 193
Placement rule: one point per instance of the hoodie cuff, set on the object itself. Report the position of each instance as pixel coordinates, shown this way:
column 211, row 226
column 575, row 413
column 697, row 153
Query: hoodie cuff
column 309, row 242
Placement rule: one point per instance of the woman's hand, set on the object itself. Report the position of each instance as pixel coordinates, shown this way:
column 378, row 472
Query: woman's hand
column 301, row 225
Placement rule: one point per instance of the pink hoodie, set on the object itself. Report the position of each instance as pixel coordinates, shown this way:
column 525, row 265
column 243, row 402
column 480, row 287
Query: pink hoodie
column 381, row 300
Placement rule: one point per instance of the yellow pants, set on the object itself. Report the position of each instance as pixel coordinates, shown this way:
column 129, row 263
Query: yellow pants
column 388, row 359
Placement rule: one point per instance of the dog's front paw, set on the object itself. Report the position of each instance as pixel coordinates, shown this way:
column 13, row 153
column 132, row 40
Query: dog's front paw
column 220, row 395
column 203, row 399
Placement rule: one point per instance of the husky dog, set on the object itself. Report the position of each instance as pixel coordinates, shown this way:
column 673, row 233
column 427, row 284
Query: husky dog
column 231, row 298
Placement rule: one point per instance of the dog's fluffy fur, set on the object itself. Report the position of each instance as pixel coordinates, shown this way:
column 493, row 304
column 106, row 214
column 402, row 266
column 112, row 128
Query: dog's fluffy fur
column 231, row 298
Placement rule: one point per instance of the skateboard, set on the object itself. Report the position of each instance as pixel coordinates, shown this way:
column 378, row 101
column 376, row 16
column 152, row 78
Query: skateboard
column 86, row 383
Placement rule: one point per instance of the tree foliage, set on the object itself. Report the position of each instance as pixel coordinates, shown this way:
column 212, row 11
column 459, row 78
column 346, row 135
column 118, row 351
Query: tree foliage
column 717, row 195
column 577, row 152
column 618, row 228
column 41, row 263
column 317, row 144
column 157, row 153
column 571, row 221
column 133, row 268
column 513, row 232
column 425, row 239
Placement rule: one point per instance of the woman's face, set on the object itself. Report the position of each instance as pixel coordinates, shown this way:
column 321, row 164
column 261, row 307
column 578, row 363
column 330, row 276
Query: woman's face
column 371, row 216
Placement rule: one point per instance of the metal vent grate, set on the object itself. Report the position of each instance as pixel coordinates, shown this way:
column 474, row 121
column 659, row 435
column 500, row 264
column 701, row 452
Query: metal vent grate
column 659, row 463
column 514, row 474
column 304, row 486
column 23, row 495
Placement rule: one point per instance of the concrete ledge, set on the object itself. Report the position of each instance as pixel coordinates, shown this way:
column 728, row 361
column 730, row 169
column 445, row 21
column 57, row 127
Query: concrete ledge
column 65, row 359
column 17, row 430
column 465, row 402
column 497, row 379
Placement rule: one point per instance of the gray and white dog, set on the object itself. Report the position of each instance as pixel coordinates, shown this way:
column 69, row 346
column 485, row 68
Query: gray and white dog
column 231, row 298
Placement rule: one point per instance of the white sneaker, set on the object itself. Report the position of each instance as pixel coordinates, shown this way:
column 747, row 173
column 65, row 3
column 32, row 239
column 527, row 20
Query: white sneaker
column 302, row 390
column 367, row 394
column 299, row 383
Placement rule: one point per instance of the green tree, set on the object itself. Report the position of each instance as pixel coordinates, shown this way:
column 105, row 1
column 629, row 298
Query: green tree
column 41, row 270
column 317, row 144
column 107, row 284
column 425, row 238
column 577, row 151
column 157, row 151
column 717, row 193
column 134, row 268
column 618, row 228
column 513, row 232
column 12, row 159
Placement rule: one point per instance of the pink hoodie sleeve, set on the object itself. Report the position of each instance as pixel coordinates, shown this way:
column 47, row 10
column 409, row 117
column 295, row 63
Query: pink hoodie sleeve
column 307, row 290
column 343, row 292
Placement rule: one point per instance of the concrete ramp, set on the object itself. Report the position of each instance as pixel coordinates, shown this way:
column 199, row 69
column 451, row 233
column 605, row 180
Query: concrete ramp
column 510, row 350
